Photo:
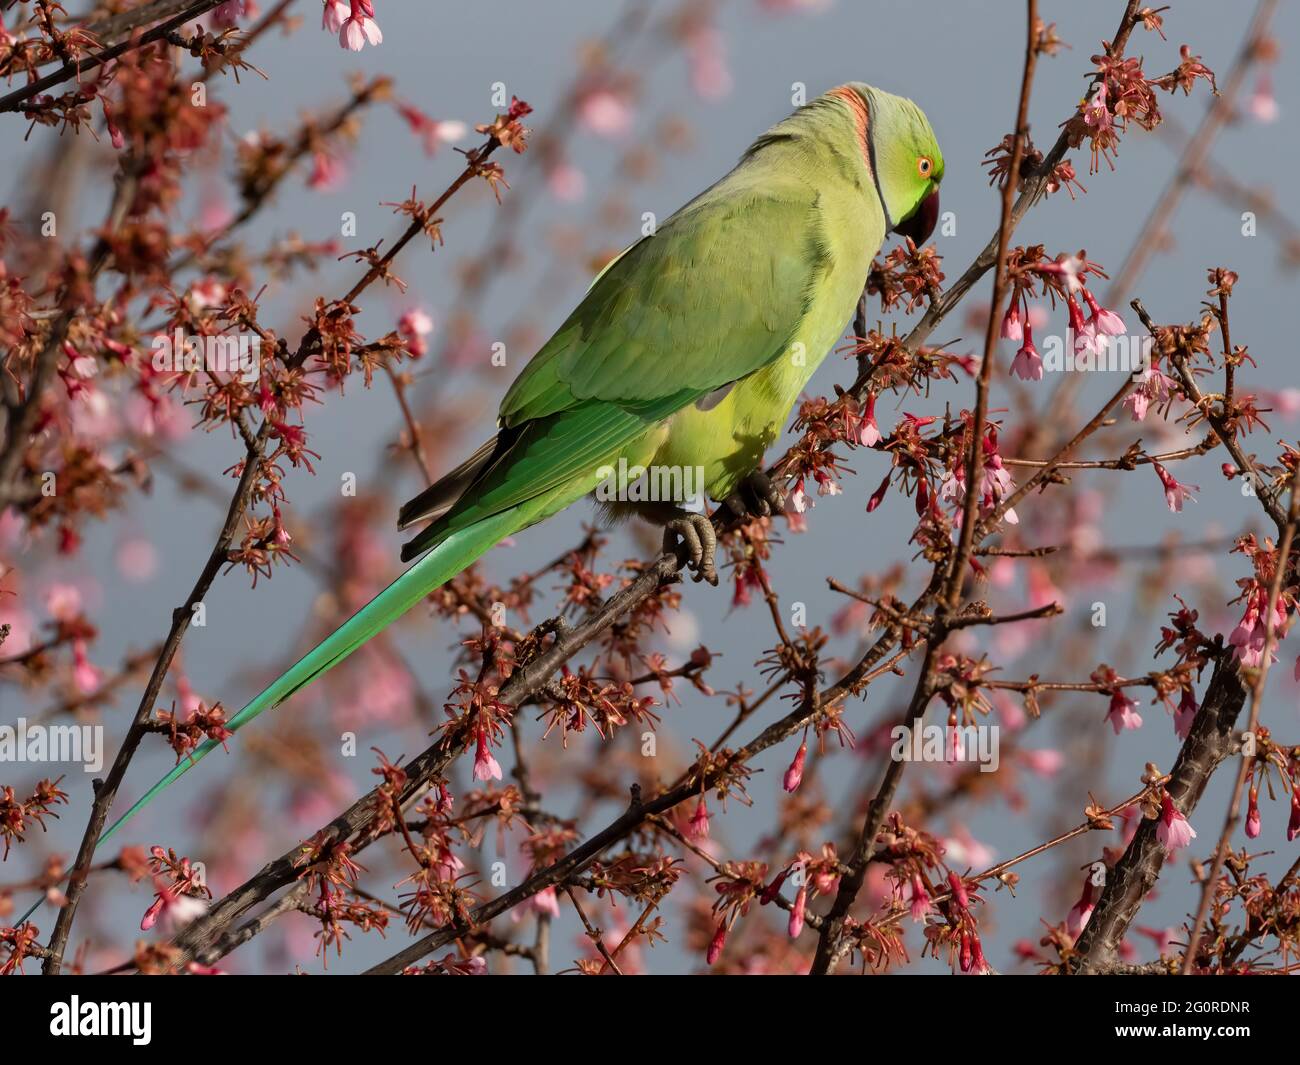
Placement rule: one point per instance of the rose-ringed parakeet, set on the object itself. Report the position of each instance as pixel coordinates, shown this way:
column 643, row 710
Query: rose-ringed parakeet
column 688, row 350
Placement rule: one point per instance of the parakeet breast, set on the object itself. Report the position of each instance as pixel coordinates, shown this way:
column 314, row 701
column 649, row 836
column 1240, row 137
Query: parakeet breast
column 728, row 434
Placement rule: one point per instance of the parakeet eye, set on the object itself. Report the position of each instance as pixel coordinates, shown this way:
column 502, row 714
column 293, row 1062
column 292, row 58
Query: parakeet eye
column 924, row 166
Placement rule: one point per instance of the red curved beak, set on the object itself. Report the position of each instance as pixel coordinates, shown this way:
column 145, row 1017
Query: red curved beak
column 923, row 220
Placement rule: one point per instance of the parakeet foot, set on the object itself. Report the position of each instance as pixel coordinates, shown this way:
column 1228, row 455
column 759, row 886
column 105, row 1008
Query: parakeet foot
column 756, row 497
column 696, row 532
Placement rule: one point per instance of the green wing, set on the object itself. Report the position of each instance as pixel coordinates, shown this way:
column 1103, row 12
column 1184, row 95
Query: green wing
column 712, row 296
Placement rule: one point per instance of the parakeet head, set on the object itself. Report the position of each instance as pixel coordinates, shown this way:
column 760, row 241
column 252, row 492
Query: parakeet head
column 905, row 159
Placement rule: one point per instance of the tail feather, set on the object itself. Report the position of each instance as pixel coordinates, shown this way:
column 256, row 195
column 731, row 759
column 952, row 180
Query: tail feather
column 446, row 560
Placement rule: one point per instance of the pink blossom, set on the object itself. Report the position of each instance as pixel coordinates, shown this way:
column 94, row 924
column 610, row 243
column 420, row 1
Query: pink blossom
column 1046, row 763
column 63, row 601
column 1293, row 826
column 799, row 500
column 359, row 27
column 1262, row 104
column 1123, row 712
column 706, row 54
column 1013, row 326
column 85, row 674
column 137, row 559
column 1077, row 919
column 1153, row 388
column 176, row 910
column 227, row 15
column 1103, row 322
column 485, row 766
column 545, row 903
column 336, row 12
column 326, row 172
column 1253, row 822
column 920, row 904
column 433, row 133
column 794, row 774
column 868, row 430
column 1174, row 831
column 1095, row 113
column 1175, row 493
column 1028, row 364
column 413, row 327
column 605, row 112
column 698, row 827
column 566, row 182
column 1251, row 632
column 716, row 943
column 797, row 912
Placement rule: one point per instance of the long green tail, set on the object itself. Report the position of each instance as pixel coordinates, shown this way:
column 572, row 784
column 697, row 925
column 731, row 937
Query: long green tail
column 446, row 560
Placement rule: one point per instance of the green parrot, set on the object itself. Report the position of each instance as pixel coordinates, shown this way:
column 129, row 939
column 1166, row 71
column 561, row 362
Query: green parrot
column 687, row 352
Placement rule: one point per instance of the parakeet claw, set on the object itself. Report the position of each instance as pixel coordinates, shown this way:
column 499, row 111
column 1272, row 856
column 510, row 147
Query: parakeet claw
column 756, row 497
column 696, row 534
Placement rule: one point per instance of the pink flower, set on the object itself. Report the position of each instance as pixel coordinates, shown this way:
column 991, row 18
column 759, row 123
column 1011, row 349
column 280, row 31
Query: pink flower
column 85, row 674
column 432, row 132
column 716, row 944
column 1293, row 826
column 1174, row 831
column 1028, row 364
column 826, row 485
column 1123, row 712
column 566, row 182
column 799, row 500
column 1013, row 326
column 359, row 27
column 1095, row 113
column 413, row 327
column 1077, row 919
column 63, row 601
column 1253, row 822
column 1175, row 493
column 1103, row 322
column 1153, row 388
column 176, row 910
column 920, row 904
column 797, row 912
column 336, row 12
column 1045, row 763
column 1262, row 104
column 868, row 430
column 1251, row 632
column 326, row 172
column 485, row 766
column 706, row 55
column 878, row 497
column 228, row 14
column 959, row 893
column 794, row 774
column 546, row 903
column 699, row 823
column 605, row 112
column 1085, row 334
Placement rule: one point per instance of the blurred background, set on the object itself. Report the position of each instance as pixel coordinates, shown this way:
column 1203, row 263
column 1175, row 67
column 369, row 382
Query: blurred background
column 638, row 106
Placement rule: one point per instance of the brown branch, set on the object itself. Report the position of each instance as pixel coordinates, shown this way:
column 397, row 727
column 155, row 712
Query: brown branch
column 1233, row 815
column 15, row 100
